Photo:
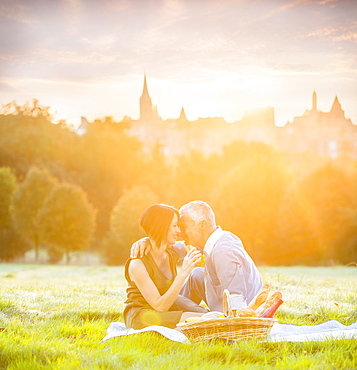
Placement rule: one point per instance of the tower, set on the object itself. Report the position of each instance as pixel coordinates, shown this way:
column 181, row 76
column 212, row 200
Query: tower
column 147, row 111
column 182, row 118
column 336, row 109
column 314, row 101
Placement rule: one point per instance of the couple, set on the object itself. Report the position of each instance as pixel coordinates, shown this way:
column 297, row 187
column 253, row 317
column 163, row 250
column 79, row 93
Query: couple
column 158, row 295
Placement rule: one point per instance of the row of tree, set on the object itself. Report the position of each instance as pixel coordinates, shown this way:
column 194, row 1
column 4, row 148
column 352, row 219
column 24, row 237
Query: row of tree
column 42, row 212
column 66, row 192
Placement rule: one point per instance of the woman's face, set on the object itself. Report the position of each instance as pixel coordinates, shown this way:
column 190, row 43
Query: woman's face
column 174, row 231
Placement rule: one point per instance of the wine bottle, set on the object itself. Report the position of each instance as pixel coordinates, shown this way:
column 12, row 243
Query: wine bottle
column 271, row 311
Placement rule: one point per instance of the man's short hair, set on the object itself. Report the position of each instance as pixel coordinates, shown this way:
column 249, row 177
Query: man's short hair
column 199, row 211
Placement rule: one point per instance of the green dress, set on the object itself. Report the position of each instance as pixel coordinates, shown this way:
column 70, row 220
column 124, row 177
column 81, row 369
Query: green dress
column 138, row 313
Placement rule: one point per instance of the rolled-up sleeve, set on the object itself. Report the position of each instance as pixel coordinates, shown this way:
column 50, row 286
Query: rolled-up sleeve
column 179, row 248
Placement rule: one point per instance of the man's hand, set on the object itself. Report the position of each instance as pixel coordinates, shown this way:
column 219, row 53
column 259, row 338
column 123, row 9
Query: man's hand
column 140, row 248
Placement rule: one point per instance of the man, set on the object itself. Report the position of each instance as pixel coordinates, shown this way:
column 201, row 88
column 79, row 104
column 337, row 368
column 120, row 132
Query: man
column 228, row 265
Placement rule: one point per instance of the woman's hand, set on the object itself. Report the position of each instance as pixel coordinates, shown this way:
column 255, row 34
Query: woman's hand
column 191, row 259
column 162, row 303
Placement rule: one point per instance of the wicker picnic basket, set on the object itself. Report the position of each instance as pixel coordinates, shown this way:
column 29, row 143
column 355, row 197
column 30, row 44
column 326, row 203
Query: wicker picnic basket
column 229, row 327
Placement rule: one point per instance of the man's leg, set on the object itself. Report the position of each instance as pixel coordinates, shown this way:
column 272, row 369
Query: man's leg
column 194, row 288
column 185, row 304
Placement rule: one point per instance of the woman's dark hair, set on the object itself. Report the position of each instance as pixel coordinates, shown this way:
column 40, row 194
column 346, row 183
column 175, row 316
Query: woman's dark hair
column 156, row 221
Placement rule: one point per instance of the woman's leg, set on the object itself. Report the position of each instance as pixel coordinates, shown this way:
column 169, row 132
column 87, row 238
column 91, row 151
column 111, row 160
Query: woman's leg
column 148, row 317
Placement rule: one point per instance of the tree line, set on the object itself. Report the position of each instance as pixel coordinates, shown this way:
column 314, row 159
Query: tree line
column 62, row 192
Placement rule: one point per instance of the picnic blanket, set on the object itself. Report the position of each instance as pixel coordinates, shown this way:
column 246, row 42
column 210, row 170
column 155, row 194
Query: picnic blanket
column 331, row 329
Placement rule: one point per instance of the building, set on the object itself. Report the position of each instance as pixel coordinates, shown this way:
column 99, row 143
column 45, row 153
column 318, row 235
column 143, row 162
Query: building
column 209, row 135
column 148, row 112
column 323, row 133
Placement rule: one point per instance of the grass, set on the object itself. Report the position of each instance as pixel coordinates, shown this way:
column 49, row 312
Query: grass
column 54, row 317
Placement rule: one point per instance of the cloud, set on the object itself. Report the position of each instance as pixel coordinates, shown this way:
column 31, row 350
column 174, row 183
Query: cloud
column 334, row 34
column 14, row 11
column 5, row 87
column 178, row 40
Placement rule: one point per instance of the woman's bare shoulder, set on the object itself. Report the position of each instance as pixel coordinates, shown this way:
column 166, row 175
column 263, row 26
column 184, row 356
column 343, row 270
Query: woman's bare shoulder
column 135, row 262
column 136, row 266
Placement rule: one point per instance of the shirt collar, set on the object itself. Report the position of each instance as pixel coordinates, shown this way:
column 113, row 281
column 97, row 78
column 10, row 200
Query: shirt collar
column 212, row 240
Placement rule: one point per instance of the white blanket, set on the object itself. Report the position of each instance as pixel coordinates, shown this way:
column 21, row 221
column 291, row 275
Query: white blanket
column 117, row 329
column 331, row 329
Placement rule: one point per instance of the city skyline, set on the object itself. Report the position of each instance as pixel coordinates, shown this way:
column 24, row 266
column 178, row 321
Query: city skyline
column 214, row 58
column 149, row 111
column 327, row 133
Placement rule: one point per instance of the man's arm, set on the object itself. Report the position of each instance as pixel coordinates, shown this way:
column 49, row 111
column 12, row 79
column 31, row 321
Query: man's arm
column 229, row 268
column 140, row 248
column 179, row 248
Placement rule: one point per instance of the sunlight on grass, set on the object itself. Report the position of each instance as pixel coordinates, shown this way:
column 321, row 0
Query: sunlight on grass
column 54, row 317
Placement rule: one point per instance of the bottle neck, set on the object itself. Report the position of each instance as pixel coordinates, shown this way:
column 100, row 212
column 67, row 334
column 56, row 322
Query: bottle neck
column 271, row 311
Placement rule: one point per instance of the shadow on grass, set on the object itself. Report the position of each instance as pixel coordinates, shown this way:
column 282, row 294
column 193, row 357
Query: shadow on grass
column 88, row 316
column 95, row 315
column 10, row 310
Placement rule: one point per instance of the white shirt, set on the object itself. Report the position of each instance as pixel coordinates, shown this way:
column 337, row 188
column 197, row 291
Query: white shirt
column 228, row 266
column 212, row 240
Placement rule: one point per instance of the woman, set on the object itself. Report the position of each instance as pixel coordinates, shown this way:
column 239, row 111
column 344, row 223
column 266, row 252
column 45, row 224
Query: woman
column 154, row 285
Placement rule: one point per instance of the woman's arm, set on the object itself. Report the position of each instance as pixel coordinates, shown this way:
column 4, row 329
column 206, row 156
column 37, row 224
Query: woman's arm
column 179, row 248
column 143, row 281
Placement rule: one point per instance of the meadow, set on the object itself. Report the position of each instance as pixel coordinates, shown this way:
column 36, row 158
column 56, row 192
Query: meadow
column 54, row 317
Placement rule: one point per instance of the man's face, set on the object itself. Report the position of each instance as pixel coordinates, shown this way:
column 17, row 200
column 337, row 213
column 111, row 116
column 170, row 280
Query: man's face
column 191, row 233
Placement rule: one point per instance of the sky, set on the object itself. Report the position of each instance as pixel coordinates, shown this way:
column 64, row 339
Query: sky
column 214, row 58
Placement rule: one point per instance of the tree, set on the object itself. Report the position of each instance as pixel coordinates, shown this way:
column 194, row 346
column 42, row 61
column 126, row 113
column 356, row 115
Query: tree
column 108, row 161
column 326, row 196
column 318, row 218
column 67, row 220
column 157, row 173
column 27, row 202
column 295, row 242
column 29, row 138
column 194, row 177
column 124, row 228
column 7, row 188
column 11, row 245
column 346, row 246
column 246, row 200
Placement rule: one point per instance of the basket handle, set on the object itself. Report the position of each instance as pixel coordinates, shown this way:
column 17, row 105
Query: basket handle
column 227, row 302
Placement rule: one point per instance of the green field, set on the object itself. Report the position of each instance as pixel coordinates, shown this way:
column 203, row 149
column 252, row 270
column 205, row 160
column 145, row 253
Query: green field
column 54, row 317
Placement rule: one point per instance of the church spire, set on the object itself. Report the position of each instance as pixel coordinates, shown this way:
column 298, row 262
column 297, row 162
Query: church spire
column 314, row 101
column 148, row 112
column 183, row 117
column 336, row 109
column 145, row 88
